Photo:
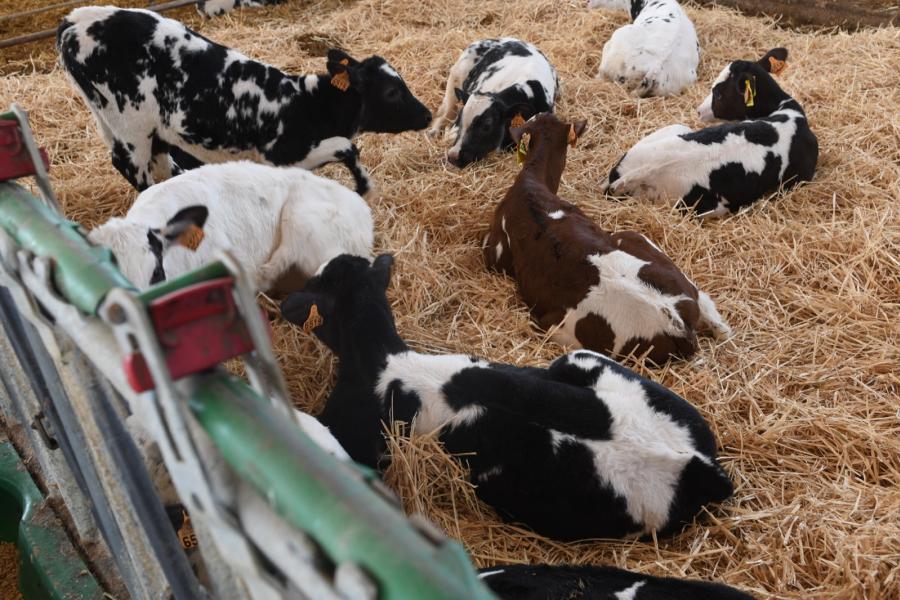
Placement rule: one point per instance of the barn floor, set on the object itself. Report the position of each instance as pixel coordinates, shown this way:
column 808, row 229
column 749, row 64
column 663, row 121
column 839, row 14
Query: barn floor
column 804, row 398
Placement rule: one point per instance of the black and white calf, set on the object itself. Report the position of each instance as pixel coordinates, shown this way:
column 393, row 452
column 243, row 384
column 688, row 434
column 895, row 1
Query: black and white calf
column 153, row 85
column 726, row 167
column 582, row 449
column 496, row 80
column 545, row 582
column 215, row 8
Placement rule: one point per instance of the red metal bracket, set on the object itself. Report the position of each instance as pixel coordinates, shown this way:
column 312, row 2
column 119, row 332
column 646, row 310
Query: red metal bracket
column 14, row 159
column 198, row 327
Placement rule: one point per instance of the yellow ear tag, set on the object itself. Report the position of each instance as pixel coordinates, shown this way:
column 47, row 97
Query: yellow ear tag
column 191, row 238
column 517, row 121
column 777, row 66
column 342, row 80
column 573, row 137
column 313, row 320
column 749, row 94
column 522, row 149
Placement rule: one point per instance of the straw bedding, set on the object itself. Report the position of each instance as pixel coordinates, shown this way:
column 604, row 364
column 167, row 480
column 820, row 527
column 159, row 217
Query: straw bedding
column 803, row 399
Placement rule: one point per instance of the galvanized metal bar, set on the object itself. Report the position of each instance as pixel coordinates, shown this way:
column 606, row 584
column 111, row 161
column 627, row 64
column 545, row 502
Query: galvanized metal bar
column 41, row 9
column 49, row 33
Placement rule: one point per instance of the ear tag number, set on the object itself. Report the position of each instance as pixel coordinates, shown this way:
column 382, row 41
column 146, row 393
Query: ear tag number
column 517, row 121
column 522, row 149
column 191, row 238
column 186, row 534
column 749, row 94
column 342, row 80
column 313, row 320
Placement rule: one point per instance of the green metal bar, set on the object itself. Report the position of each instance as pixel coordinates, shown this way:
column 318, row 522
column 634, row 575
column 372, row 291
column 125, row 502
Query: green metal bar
column 83, row 274
column 338, row 510
column 204, row 273
column 49, row 567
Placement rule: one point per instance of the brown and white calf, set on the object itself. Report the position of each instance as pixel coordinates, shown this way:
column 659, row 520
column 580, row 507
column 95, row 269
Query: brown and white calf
column 614, row 293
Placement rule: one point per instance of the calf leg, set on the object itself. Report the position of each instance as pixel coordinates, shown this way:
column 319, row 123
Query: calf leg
column 710, row 320
column 134, row 162
column 340, row 149
column 447, row 112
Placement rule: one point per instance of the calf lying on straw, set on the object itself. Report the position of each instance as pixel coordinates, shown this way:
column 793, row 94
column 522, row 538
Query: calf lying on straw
column 544, row 582
column 657, row 54
column 280, row 224
column 585, row 448
column 614, row 293
column 726, row 167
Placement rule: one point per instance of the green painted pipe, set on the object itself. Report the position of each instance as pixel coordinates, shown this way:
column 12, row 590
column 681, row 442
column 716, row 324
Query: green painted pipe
column 339, row 511
column 82, row 273
column 49, row 567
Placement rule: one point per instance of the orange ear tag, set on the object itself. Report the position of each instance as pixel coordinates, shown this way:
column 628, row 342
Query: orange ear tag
column 313, row 320
column 342, row 80
column 749, row 94
column 573, row 137
column 777, row 66
column 191, row 238
column 517, row 121
column 522, row 148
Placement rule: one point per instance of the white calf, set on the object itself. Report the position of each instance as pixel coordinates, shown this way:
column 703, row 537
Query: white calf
column 272, row 219
column 657, row 54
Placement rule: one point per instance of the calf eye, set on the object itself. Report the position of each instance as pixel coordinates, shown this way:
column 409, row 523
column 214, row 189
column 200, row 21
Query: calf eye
column 392, row 94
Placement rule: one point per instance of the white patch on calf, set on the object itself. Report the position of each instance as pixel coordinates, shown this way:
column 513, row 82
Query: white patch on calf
column 632, row 308
column 321, row 435
column 489, row 573
column 499, row 250
column 643, row 460
column 630, row 592
column 390, row 71
column 705, row 109
column 663, row 166
column 556, row 214
column 310, row 83
column 425, row 376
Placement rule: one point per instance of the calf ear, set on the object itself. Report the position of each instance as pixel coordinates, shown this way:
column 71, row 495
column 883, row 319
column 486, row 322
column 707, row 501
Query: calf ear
column 381, row 267
column 336, row 60
column 461, row 95
column 186, row 227
column 775, row 60
column 307, row 310
column 575, row 131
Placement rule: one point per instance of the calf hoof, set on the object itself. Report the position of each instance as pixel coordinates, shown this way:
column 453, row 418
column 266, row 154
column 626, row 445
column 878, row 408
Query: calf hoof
column 433, row 133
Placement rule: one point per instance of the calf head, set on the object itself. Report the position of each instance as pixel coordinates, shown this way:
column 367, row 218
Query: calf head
column 483, row 124
column 548, row 138
column 746, row 89
column 347, row 294
column 387, row 104
column 139, row 250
